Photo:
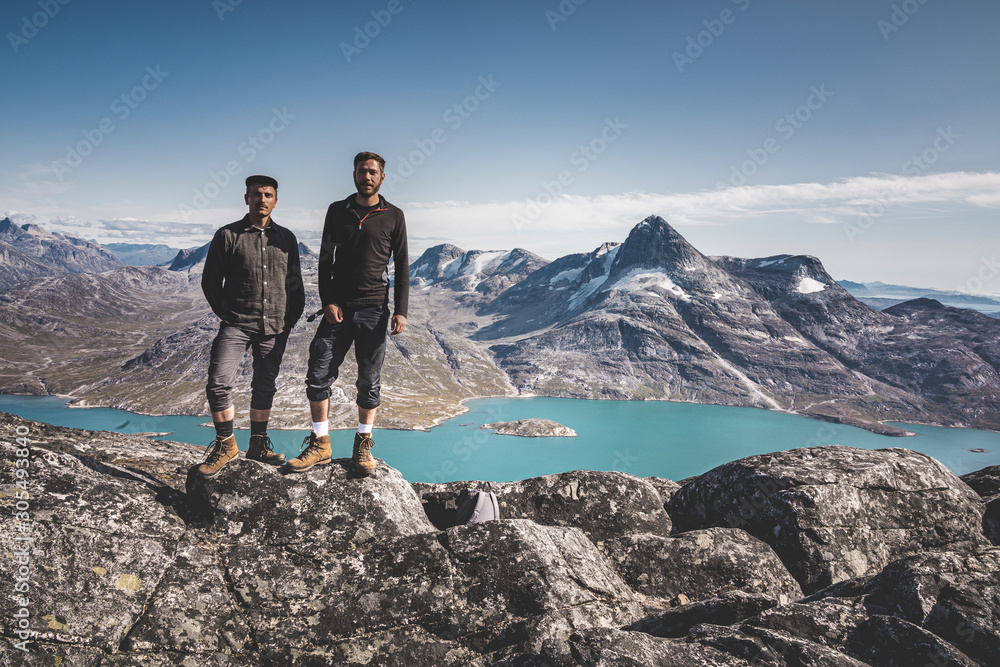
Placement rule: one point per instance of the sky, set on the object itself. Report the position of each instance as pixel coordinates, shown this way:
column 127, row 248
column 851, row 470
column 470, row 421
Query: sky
column 863, row 132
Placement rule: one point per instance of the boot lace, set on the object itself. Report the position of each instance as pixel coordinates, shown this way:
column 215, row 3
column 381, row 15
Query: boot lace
column 267, row 444
column 214, row 452
column 308, row 446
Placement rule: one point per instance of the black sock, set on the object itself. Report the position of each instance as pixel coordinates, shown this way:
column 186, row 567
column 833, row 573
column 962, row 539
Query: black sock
column 224, row 429
column 258, row 428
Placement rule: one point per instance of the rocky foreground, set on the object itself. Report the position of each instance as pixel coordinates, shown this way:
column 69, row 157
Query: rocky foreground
column 824, row 556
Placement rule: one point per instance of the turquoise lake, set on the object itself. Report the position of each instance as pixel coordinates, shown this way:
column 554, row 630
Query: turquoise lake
column 673, row 440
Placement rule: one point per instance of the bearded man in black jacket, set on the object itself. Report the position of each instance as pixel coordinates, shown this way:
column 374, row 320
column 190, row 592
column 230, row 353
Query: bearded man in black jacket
column 360, row 236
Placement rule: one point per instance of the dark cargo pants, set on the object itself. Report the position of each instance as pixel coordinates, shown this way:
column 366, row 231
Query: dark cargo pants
column 366, row 328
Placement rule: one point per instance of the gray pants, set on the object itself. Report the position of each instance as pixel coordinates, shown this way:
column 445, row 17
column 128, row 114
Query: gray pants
column 228, row 349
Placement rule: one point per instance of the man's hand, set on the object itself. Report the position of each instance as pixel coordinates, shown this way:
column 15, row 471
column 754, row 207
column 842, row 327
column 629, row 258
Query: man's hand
column 398, row 324
column 332, row 313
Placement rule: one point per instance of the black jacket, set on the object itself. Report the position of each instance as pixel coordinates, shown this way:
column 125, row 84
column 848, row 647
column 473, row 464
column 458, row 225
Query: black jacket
column 355, row 253
column 252, row 278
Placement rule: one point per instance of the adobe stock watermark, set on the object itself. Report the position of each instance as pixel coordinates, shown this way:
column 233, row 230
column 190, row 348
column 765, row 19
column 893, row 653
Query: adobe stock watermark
column 363, row 35
column 581, row 158
column 223, row 7
column 786, row 127
column 22, row 539
column 918, row 165
column 696, row 44
column 989, row 268
column 454, row 116
column 562, row 12
column 30, row 25
column 899, row 16
column 122, row 107
column 247, row 151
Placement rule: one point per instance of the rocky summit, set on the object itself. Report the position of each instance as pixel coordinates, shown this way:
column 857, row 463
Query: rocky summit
column 823, row 556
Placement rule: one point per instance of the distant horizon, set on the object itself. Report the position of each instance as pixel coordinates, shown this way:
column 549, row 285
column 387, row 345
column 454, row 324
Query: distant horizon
column 416, row 256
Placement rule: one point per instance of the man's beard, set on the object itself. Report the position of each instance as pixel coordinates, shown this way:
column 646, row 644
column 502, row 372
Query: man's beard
column 362, row 184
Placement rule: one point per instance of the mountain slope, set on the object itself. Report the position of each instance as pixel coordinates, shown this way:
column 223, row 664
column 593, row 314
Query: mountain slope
column 654, row 318
column 62, row 253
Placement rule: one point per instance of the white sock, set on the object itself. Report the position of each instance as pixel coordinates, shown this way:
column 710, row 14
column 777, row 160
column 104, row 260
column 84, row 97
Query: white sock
column 364, row 428
column 321, row 428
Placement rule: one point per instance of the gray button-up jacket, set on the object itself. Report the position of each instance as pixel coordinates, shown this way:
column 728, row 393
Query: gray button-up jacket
column 252, row 277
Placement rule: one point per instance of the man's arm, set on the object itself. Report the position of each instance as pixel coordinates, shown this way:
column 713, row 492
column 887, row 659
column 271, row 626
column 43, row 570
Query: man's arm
column 295, row 291
column 327, row 257
column 400, row 255
column 214, row 273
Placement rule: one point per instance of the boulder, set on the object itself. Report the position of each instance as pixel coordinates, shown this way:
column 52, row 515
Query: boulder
column 601, row 504
column 991, row 520
column 833, row 512
column 608, row 647
column 725, row 609
column 830, row 622
column 701, row 564
column 100, row 544
column 665, row 487
column 985, row 482
column 888, row 641
column 759, row 646
column 463, row 586
column 956, row 596
column 251, row 502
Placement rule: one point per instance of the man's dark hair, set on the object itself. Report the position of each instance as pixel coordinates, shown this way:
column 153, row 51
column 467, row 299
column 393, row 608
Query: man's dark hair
column 260, row 179
column 364, row 156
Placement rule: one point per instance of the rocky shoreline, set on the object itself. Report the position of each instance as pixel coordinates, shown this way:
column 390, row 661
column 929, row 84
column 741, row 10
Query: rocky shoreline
column 822, row 556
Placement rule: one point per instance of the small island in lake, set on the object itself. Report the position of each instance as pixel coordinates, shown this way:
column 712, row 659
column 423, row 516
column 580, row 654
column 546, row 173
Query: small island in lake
column 532, row 428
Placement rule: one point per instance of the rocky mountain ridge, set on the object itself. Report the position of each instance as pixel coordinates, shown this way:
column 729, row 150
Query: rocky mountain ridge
column 29, row 251
column 649, row 318
column 824, row 556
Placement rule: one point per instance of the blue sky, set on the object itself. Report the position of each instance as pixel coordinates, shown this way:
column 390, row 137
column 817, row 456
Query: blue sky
column 862, row 132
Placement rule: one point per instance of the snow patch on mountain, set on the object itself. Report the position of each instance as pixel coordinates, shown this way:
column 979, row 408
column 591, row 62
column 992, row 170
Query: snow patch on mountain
column 810, row 286
column 639, row 280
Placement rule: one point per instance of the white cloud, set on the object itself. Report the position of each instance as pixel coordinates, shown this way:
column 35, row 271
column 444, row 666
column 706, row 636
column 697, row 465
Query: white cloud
column 546, row 224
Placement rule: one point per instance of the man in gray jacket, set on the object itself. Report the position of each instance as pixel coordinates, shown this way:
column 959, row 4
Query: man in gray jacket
column 253, row 282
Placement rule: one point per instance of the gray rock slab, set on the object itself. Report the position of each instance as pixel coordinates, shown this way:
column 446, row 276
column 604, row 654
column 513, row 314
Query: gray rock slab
column 701, row 564
column 985, row 482
column 725, row 609
column 101, row 542
column 255, row 503
column 759, row 646
column 953, row 595
column 607, row 647
column 191, row 610
column 465, row 583
column 829, row 622
column 888, row 641
column 834, row 512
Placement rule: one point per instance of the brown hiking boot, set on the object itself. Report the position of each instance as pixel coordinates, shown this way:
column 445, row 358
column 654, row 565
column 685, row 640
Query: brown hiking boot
column 362, row 456
column 220, row 452
column 262, row 449
column 315, row 453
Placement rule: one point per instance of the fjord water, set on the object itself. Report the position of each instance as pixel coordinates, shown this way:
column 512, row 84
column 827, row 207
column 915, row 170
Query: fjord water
column 673, row 440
